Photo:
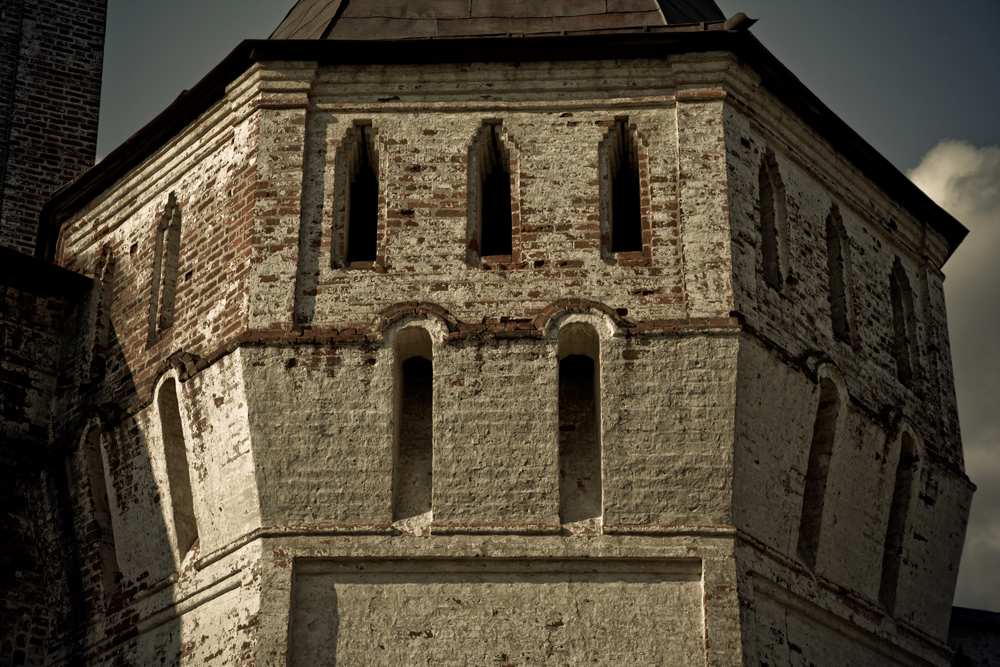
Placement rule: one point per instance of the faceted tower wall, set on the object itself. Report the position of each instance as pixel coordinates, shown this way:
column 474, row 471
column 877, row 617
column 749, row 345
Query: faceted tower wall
column 312, row 455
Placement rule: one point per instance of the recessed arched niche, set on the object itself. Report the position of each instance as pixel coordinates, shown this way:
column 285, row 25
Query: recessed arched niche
column 580, row 473
column 413, row 450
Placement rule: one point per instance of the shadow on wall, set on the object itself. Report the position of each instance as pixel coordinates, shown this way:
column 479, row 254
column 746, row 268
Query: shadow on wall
column 141, row 513
column 142, row 554
column 314, row 626
column 22, row 560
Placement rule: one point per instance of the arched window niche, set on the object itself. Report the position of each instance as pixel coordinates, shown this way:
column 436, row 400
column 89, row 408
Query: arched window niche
column 490, row 234
column 621, row 200
column 581, row 499
column 838, row 258
column 178, row 469
column 773, row 223
column 904, row 323
column 907, row 473
column 356, row 215
column 413, row 430
column 163, row 284
column 97, row 477
column 828, row 422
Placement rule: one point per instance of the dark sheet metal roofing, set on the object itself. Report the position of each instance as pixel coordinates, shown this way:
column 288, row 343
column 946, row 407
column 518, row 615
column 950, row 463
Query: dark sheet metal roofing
column 728, row 36
column 424, row 19
column 965, row 617
column 35, row 275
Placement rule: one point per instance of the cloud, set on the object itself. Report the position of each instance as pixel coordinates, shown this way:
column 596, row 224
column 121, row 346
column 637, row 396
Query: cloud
column 965, row 181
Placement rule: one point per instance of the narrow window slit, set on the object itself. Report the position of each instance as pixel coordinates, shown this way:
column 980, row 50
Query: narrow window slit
column 414, row 430
column 838, row 273
column 104, row 283
column 496, row 200
column 178, row 468
column 362, row 220
column 817, row 474
column 623, row 193
column 580, row 473
column 491, row 232
column 164, row 281
column 892, row 554
column 773, row 230
column 903, row 323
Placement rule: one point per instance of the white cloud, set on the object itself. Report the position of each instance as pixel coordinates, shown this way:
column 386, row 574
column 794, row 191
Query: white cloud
column 965, row 181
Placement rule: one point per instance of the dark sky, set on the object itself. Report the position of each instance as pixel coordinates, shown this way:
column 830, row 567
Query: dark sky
column 918, row 79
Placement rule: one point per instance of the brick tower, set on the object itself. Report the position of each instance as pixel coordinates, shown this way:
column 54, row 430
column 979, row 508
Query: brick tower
column 51, row 60
column 467, row 333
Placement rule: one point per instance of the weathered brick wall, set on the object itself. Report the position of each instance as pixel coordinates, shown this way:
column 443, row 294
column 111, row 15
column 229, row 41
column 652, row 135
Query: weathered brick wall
column 798, row 319
column 284, row 364
column 217, row 181
column 771, row 460
column 41, row 309
column 39, row 300
column 216, row 203
column 25, row 616
column 777, row 404
column 50, row 94
column 975, row 637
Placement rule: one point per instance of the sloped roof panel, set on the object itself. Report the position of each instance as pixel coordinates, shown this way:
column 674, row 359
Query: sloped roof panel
column 691, row 11
column 308, row 19
column 408, row 9
column 533, row 8
column 414, row 19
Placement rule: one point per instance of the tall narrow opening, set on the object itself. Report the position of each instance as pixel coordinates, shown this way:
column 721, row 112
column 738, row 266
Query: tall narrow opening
column 817, row 474
column 623, row 207
column 493, row 216
column 104, row 283
column 580, row 473
column 773, row 232
column 903, row 323
column 837, row 258
column 892, row 554
column 362, row 214
column 164, row 281
column 178, row 469
column 414, row 427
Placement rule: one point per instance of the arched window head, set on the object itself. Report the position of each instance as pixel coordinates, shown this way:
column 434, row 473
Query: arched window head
column 903, row 323
column 356, row 220
column 621, row 211
column 413, row 429
column 491, row 231
column 817, row 474
column 166, row 255
column 773, row 223
column 580, row 466
column 907, row 469
column 838, row 261
column 178, row 468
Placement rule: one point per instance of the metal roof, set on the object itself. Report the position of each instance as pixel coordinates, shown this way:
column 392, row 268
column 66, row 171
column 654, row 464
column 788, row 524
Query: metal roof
column 424, row 19
column 965, row 617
